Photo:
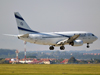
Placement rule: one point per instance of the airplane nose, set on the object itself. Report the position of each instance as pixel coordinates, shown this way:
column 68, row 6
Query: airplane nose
column 96, row 37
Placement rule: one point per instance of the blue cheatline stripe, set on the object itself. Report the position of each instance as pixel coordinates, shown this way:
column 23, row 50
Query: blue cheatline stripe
column 19, row 17
column 27, row 30
column 63, row 35
column 52, row 36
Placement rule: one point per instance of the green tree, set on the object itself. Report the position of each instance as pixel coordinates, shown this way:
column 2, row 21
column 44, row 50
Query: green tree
column 72, row 60
column 31, row 57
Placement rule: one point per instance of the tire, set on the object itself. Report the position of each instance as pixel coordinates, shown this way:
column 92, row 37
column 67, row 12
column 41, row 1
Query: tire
column 51, row 48
column 62, row 48
column 88, row 46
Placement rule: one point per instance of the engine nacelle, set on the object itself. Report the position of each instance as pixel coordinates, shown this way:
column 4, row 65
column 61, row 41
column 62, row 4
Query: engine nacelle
column 77, row 43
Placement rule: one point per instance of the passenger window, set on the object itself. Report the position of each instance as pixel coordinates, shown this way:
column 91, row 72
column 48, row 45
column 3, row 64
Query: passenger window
column 88, row 34
column 82, row 35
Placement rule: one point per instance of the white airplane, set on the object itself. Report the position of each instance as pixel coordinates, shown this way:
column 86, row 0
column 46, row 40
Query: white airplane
column 75, row 38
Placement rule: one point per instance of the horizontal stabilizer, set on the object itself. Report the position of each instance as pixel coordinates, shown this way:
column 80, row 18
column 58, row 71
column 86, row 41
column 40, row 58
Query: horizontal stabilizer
column 11, row 35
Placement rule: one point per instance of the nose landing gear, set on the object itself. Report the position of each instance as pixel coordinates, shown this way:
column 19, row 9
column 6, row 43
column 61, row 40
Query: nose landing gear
column 88, row 45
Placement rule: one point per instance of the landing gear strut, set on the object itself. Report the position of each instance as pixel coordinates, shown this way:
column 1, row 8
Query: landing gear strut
column 88, row 45
column 62, row 48
column 51, row 48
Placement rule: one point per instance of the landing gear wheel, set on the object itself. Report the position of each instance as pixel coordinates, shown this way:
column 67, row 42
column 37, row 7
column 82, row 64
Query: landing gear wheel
column 51, row 48
column 62, row 48
column 88, row 45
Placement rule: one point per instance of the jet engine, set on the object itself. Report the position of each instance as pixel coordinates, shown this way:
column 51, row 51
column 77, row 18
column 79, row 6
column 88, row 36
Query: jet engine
column 77, row 43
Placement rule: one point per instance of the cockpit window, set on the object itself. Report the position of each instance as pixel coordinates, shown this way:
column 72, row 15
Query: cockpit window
column 92, row 34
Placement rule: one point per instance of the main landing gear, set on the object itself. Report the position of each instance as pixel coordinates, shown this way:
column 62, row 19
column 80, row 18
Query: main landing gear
column 88, row 45
column 52, row 47
column 62, row 47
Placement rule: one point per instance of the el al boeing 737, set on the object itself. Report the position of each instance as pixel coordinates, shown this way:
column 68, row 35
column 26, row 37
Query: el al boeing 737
column 73, row 38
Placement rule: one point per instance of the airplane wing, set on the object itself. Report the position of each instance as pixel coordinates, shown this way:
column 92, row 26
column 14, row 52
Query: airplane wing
column 73, row 38
column 62, row 42
column 68, row 40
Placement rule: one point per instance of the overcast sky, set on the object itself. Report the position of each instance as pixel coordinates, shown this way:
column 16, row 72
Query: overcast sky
column 49, row 16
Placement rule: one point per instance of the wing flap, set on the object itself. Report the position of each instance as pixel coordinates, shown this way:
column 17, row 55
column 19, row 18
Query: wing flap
column 62, row 42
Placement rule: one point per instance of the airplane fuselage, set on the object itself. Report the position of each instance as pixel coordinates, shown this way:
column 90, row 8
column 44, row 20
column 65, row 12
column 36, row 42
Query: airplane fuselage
column 54, row 37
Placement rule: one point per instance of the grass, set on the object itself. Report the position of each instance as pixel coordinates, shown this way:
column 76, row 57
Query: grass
column 54, row 69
